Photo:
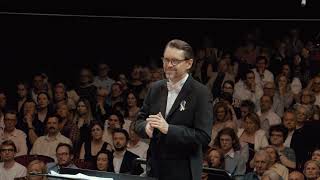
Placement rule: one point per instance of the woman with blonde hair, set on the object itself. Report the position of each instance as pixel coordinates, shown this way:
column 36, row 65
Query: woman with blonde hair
column 37, row 167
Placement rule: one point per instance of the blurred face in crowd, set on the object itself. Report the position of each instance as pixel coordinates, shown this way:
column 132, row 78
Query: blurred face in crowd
column 311, row 170
column 3, row 100
column 316, row 155
column 103, row 70
column 85, row 76
column 115, row 90
column 214, row 157
column 29, row 108
column 22, row 91
column 82, row 108
column 36, row 168
column 38, row 82
column 96, row 132
column 250, row 126
column 119, row 141
column 261, row 65
column 133, row 136
column 269, row 89
column 10, row 121
column 227, row 88
column 289, row 120
column 273, row 154
column 306, row 97
column 244, row 110
column 265, row 103
column 43, row 101
column 301, row 114
column 102, row 95
column 250, row 78
column 52, row 125
column 296, row 175
column 175, row 65
column 7, row 153
column 223, row 65
column 136, row 73
column 155, row 76
column 226, row 143
column 59, row 94
column 283, row 81
column 63, row 111
column 261, row 163
column 221, row 114
column 114, row 122
column 64, row 156
column 131, row 100
column 316, row 85
column 285, row 70
column 102, row 162
column 276, row 138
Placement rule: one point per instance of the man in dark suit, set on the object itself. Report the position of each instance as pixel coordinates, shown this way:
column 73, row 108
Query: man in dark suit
column 123, row 160
column 177, row 116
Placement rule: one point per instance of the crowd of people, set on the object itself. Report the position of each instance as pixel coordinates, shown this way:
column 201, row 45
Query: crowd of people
column 266, row 108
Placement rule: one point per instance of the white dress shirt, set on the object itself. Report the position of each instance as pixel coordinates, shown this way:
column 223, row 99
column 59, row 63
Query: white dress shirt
column 173, row 94
column 17, row 170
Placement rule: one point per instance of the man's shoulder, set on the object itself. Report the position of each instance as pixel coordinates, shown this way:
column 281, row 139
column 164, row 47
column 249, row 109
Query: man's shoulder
column 158, row 84
column 130, row 154
column 18, row 166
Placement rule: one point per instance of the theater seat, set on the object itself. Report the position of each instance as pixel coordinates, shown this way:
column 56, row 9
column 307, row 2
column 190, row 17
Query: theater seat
column 26, row 159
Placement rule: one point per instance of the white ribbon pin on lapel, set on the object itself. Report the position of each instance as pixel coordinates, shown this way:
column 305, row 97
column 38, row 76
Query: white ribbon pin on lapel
column 183, row 105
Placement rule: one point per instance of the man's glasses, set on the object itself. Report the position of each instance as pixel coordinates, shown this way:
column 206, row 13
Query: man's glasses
column 7, row 150
column 174, row 62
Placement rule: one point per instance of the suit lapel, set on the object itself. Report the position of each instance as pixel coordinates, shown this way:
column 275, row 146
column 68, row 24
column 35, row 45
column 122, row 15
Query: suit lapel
column 186, row 89
column 163, row 98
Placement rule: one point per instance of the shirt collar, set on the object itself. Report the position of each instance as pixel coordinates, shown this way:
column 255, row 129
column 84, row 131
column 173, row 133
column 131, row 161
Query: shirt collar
column 230, row 153
column 13, row 133
column 55, row 138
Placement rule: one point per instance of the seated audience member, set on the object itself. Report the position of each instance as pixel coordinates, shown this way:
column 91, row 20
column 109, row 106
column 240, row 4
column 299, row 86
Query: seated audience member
column 135, row 144
column 66, row 124
column 102, row 110
column 266, row 113
column 215, row 158
column 261, row 161
column 311, row 170
column 45, row 108
column 278, row 134
column 61, row 95
column 114, row 121
column 90, row 149
column 275, row 164
column 29, row 123
column 277, row 104
column 271, row 175
column 82, row 119
column 22, row 95
column 246, row 107
column 228, row 142
column 104, row 161
column 36, row 166
column 64, row 156
column 316, row 155
column 9, row 168
column 296, row 175
column 11, row 133
column 123, row 160
column 102, row 80
column 252, row 135
column 46, row 145
column 132, row 108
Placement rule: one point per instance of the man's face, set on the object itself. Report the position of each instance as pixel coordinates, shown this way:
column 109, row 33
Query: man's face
column 265, row 103
column 261, row 65
column 29, row 108
column 38, row 82
column 119, row 141
column 103, row 70
column 289, row 121
column 261, row 164
column 22, row 91
column 52, row 125
column 226, row 142
column 174, row 64
column 316, row 85
column 63, row 111
column 301, row 114
column 276, row 138
column 10, row 121
column 59, row 93
column 269, row 89
column 64, row 157
column 250, row 78
column 113, row 122
column 3, row 101
column 136, row 73
column 85, row 76
column 7, row 153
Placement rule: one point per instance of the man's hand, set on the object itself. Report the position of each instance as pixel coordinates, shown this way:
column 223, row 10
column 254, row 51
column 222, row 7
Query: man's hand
column 157, row 121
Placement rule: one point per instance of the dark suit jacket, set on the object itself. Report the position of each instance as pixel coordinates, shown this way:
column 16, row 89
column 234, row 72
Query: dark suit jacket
column 128, row 166
column 178, row 154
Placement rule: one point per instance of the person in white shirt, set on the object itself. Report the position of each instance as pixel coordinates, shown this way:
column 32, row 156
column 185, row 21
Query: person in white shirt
column 9, row 168
column 103, row 80
column 46, row 145
column 266, row 114
column 262, row 74
column 135, row 144
column 11, row 133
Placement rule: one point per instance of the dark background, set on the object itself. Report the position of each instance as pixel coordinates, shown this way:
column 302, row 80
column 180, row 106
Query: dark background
column 46, row 38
